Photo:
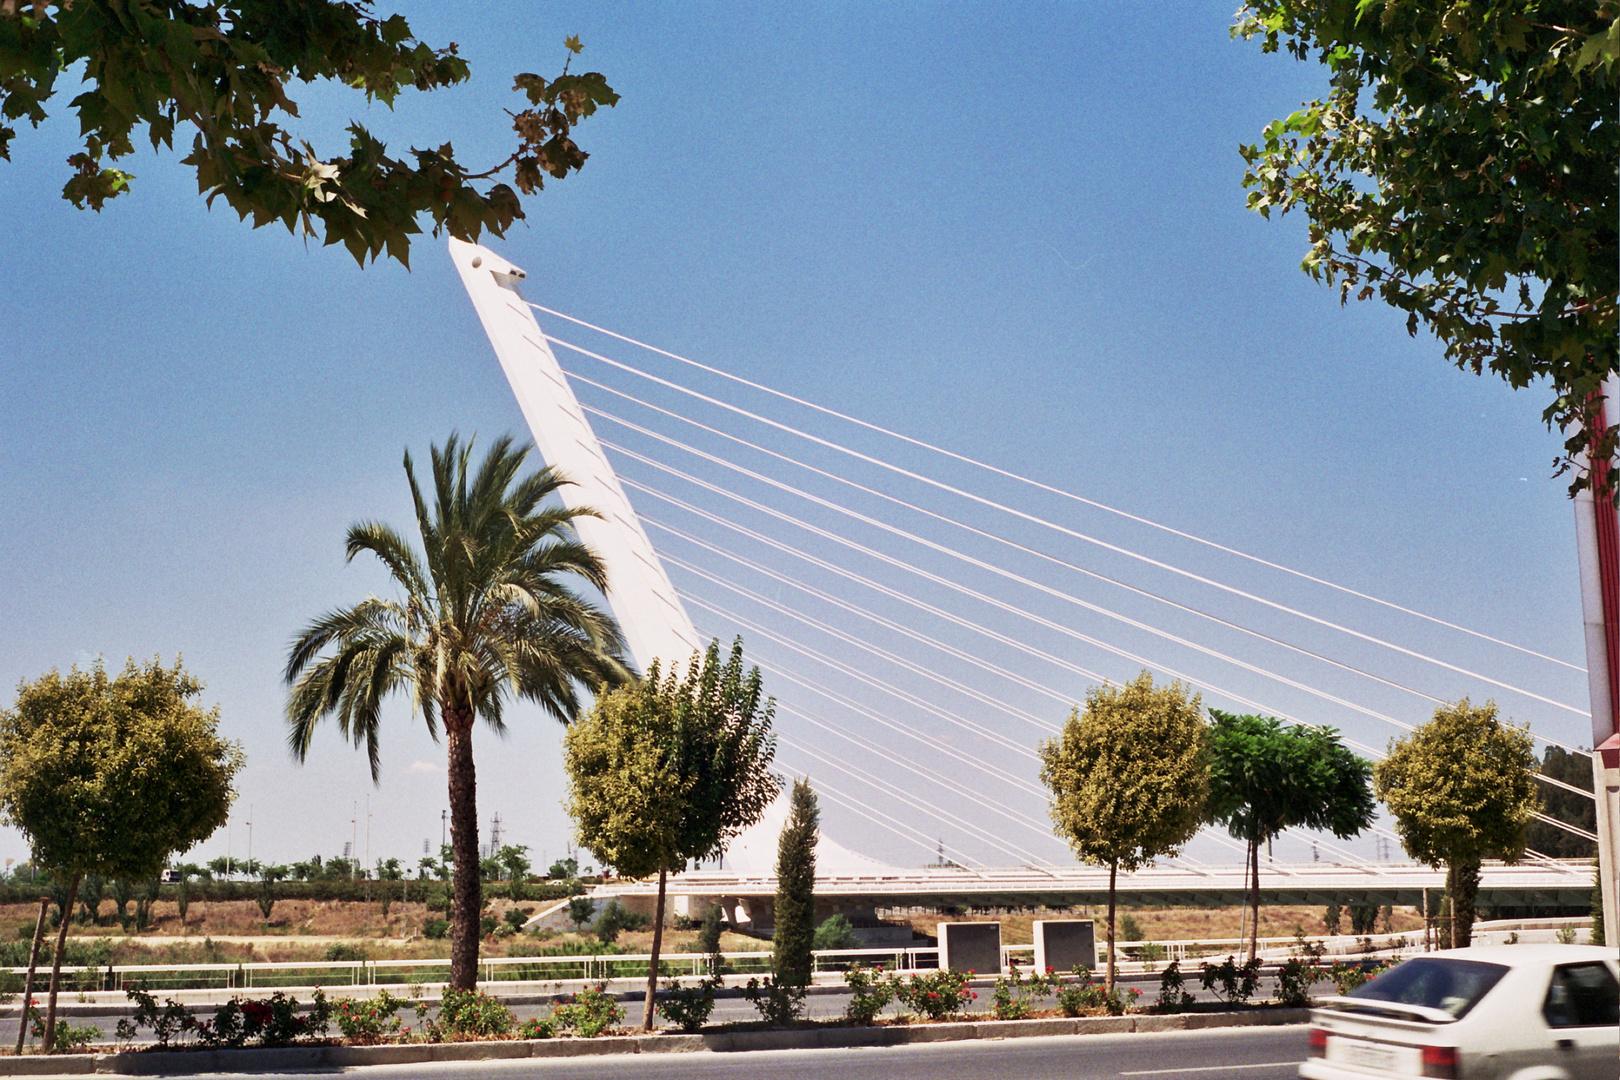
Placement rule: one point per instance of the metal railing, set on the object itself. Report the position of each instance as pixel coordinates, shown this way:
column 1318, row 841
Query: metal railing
column 605, row 966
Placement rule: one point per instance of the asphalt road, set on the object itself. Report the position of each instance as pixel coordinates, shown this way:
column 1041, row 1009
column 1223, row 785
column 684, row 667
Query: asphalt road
column 727, row 1009
column 1236, row 1053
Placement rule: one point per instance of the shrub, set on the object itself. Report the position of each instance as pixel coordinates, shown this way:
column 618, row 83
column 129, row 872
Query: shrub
column 835, row 933
column 368, row 1021
column 1294, row 981
column 488, row 924
column 614, row 918
column 170, row 1024
column 515, row 918
column 1231, row 982
column 779, row 1003
column 473, row 1012
column 1014, row 998
column 435, row 928
column 1079, row 998
column 1346, row 977
column 344, row 951
column 869, row 994
column 936, row 995
column 589, row 1013
column 1129, row 928
column 688, row 1007
column 1173, row 996
column 536, row 1028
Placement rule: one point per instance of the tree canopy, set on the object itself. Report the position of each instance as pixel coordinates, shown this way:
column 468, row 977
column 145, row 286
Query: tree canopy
column 1462, row 169
column 113, row 776
column 1265, row 777
column 1128, row 777
column 670, row 769
column 794, row 931
column 1461, row 790
column 487, row 611
column 110, row 777
column 221, row 72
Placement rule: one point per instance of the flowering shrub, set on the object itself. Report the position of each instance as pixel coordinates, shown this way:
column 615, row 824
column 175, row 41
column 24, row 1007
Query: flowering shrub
column 1346, row 977
column 778, row 1003
column 1014, row 997
column 869, row 993
column 689, row 1006
column 274, row 1021
column 588, row 1013
column 1173, row 996
column 473, row 1012
column 1081, row 997
column 368, row 1021
column 1236, row 983
column 536, row 1028
column 1294, row 980
column 937, row 995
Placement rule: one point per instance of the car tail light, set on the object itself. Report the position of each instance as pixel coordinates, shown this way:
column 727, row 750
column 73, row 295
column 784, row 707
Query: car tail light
column 1440, row 1061
column 1316, row 1043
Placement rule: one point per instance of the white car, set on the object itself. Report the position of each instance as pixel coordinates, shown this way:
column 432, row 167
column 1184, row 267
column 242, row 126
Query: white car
column 1500, row 1012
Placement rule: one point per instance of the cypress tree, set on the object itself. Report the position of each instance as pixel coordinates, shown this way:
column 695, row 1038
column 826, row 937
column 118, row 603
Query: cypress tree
column 795, row 889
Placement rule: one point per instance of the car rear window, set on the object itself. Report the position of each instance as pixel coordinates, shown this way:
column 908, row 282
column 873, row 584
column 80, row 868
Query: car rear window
column 1453, row 986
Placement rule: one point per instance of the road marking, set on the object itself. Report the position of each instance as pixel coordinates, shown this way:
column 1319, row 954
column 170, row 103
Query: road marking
column 1211, row 1068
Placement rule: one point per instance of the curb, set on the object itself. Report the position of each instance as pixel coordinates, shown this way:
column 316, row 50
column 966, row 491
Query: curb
column 173, row 1063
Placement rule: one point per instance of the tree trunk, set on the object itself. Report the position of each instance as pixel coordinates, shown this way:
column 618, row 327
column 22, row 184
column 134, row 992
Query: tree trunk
column 1254, row 898
column 33, row 962
column 652, row 971
column 467, row 906
column 1462, row 882
column 56, row 972
column 1113, row 874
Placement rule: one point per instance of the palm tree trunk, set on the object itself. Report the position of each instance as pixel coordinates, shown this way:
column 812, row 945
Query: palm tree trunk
column 56, row 970
column 1254, row 898
column 467, row 904
column 1113, row 874
column 658, row 941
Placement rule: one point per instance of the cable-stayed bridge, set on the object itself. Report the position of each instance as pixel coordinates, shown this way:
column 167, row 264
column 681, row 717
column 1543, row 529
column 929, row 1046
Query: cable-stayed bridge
column 925, row 618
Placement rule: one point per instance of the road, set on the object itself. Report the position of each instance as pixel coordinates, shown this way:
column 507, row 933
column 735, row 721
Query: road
column 825, row 1005
column 1228, row 1054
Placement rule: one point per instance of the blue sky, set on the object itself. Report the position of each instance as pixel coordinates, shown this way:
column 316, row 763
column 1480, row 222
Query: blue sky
column 1018, row 234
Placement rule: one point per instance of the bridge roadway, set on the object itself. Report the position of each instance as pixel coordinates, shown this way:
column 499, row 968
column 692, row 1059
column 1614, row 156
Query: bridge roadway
column 749, row 899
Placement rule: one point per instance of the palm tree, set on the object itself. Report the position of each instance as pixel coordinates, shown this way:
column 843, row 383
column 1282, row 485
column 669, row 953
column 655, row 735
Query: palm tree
column 485, row 611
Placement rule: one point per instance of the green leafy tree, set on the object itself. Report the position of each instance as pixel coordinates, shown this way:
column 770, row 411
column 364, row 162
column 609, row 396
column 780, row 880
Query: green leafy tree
column 1128, row 777
column 514, row 860
column 1265, row 777
column 794, row 934
column 268, row 876
column 486, row 611
column 112, row 776
column 581, row 909
column 1461, row 169
column 182, row 892
column 219, row 74
column 670, row 769
column 123, row 891
column 563, row 869
column 836, row 932
column 1574, row 769
column 1461, row 790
